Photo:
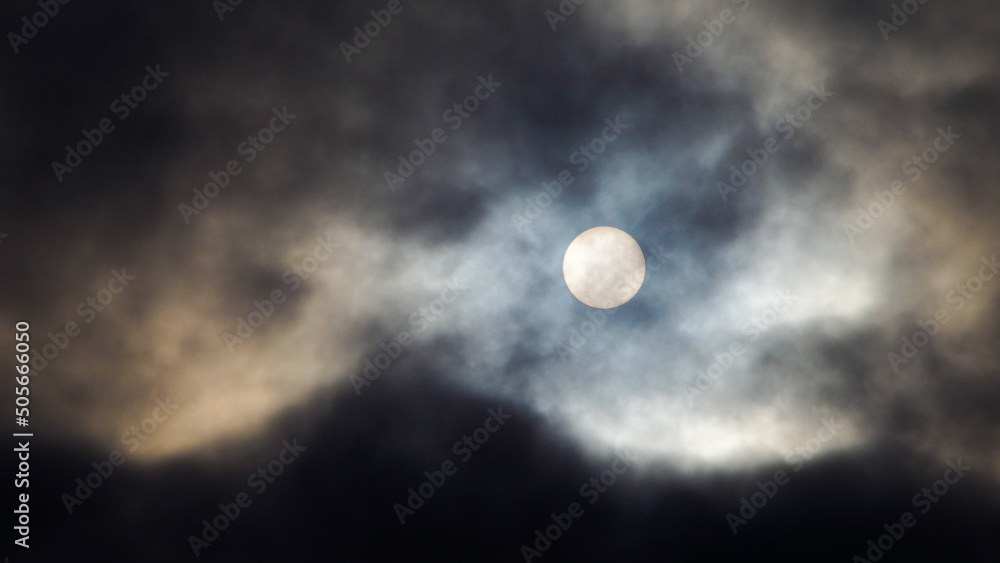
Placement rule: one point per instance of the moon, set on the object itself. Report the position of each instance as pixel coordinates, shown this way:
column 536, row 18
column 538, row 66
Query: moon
column 604, row 267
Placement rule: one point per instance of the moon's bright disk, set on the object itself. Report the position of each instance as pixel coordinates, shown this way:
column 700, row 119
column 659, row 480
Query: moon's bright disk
column 604, row 267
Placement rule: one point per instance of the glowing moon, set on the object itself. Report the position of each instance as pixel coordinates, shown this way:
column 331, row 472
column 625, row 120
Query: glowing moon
column 604, row 267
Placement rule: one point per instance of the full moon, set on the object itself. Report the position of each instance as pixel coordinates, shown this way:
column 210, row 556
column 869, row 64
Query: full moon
column 604, row 267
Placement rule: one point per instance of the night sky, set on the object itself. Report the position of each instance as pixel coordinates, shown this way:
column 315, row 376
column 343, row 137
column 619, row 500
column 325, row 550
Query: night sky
column 294, row 280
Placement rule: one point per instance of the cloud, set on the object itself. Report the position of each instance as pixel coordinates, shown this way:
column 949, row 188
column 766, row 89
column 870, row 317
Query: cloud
column 453, row 219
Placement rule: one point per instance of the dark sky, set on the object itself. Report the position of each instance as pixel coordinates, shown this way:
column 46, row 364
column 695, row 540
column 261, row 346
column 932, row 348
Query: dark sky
column 215, row 199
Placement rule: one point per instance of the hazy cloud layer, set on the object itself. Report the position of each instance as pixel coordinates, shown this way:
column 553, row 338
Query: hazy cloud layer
column 796, row 267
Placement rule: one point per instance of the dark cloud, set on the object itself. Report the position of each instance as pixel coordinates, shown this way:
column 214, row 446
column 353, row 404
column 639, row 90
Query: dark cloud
column 336, row 499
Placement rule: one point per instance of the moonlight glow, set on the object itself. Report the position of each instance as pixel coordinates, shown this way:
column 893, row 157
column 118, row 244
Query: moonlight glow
column 604, row 267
